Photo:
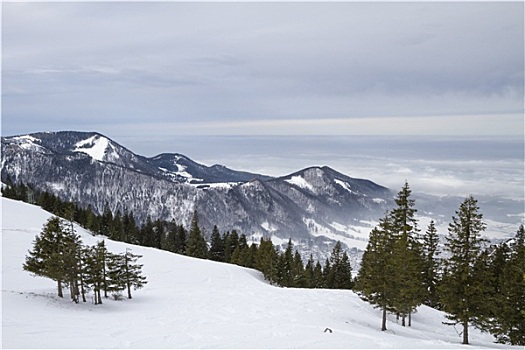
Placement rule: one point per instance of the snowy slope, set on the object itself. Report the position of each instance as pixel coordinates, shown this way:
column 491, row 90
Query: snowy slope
column 190, row 303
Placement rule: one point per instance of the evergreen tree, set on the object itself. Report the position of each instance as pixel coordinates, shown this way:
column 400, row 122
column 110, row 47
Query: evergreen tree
column 407, row 262
column 158, row 233
column 509, row 312
column 298, row 271
column 217, row 245
column 171, row 238
column 340, row 275
column 459, row 292
column 117, row 227
column 180, row 242
column 231, row 241
column 54, row 254
column 267, row 260
column 252, row 256
column 196, row 245
column 431, row 265
column 374, row 276
column 318, row 278
column 129, row 228
column 287, row 266
column 132, row 272
column 309, row 272
column 148, row 238
column 95, row 270
column 106, row 222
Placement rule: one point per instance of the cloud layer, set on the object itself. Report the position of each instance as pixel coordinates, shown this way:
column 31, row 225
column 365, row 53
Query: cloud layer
column 264, row 68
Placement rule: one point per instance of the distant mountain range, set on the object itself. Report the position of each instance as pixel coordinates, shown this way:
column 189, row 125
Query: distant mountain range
column 313, row 206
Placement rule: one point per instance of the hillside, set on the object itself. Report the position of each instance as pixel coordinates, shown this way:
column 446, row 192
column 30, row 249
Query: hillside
column 314, row 207
column 190, row 303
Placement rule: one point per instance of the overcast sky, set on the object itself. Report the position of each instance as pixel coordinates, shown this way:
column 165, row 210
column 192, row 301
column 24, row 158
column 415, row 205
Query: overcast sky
column 129, row 69
column 156, row 77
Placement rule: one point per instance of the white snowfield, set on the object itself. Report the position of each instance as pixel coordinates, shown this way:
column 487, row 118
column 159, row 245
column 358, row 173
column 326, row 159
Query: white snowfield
column 191, row 303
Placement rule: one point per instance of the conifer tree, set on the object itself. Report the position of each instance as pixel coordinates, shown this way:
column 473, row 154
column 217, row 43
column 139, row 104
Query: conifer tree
column 231, row 241
column 95, row 270
column 217, row 245
column 54, row 254
column 458, row 290
column 267, row 260
column 298, row 271
column 309, row 272
column 148, row 238
column 509, row 311
column 374, row 276
column 171, row 237
column 196, row 245
column 287, row 265
column 340, row 275
column 132, row 272
column 318, row 279
column 180, row 242
column 407, row 262
column 107, row 219
column 431, row 265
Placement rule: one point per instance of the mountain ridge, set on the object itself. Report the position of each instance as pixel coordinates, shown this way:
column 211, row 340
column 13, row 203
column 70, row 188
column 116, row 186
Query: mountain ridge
column 315, row 205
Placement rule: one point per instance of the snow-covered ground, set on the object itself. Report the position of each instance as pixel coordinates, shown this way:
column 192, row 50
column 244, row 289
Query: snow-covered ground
column 190, row 303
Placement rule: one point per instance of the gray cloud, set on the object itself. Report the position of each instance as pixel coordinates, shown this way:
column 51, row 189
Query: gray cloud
column 182, row 62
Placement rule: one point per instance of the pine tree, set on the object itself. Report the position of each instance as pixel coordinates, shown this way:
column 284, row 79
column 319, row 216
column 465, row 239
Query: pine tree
column 171, row 238
column 458, row 290
column 309, row 273
column 231, row 241
column 132, row 272
column 374, row 276
column 509, row 316
column 267, row 260
column 407, row 261
column 158, row 233
column 148, row 238
column 431, row 265
column 287, row 266
column 196, row 245
column 95, row 270
column 54, row 254
column 217, row 245
column 298, row 271
column 318, row 279
column 107, row 220
column 180, row 242
column 340, row 275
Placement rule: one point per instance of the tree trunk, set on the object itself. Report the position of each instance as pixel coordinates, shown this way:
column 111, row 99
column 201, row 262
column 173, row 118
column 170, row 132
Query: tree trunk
column 465, row 332
column 383, row 324
column 410, row 319
column 403, row 320
column 59, row 285
column 82, row 290
column 129, row 290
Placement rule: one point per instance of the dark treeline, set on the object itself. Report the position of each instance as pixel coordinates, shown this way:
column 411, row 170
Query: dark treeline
column 281, row 267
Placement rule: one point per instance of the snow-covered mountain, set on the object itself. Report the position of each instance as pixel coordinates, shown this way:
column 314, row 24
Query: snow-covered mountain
column 191, row 303
column 312, row 206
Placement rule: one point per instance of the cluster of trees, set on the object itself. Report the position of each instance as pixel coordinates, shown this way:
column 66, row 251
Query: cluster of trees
column 474, row 283
column 58, row 254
